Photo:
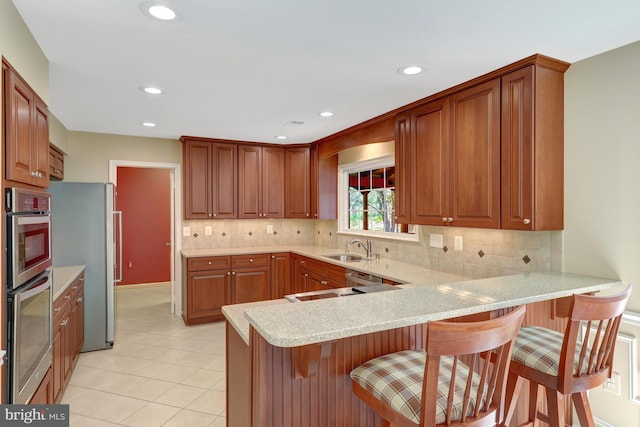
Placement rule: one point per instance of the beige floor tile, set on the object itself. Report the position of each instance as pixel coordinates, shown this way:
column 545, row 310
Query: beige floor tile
column 81, row 421
column 186, row 418
column 211, row 402
column 175, row 373
column 90, row 401
column 219, row 422
column 136, row 366
column 197, row 360
column 150, row 389
column 173, row 356
column 85, row 376
column 73, row 391
column 180, row 395
column 118, row 409
column 152, row 415
column 97, row 359
column 141, row 351
column 217, row 363
column 204, row 378
column 120, row 383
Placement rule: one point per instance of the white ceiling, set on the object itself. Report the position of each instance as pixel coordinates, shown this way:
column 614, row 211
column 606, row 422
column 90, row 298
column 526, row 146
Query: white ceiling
column 243, row 69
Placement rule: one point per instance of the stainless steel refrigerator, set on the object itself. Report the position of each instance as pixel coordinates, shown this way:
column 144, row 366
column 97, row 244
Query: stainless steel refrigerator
column 87, row 230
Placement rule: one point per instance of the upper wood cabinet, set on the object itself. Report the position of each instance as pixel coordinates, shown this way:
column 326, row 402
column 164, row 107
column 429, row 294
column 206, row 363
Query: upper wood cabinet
column 210, row 179
column 487, row 154
column 297, row 182
column 532, row 149
column 261, row 175
column 26, row 132
column 324, row 185
column 56, row 163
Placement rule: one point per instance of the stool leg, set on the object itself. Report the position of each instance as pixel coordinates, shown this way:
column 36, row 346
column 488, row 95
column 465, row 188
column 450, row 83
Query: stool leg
column 514, row 386
column 535, row 399
column 583, row 409
column 555, row 407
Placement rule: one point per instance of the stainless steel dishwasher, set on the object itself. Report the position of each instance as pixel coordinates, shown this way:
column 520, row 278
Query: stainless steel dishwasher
column 357, row 278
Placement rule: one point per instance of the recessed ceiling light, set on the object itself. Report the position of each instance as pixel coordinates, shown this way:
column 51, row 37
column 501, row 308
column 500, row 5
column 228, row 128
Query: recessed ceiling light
column 149, row 124
column 152, row 90
column 162, row 12
column 159, row 9
column 281, row 137
column 410, row 70
column 325, row 114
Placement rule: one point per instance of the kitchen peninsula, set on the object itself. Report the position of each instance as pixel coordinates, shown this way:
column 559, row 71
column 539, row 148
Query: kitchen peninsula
column 288, row 364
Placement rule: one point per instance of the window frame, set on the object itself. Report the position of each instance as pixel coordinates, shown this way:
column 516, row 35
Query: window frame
column 343, row 200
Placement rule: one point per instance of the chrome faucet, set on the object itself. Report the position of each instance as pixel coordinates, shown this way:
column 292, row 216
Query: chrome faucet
column 365, row 245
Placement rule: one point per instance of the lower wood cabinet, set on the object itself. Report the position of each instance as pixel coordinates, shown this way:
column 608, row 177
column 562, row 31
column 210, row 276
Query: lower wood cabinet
column 280, row 275
column 44, row 393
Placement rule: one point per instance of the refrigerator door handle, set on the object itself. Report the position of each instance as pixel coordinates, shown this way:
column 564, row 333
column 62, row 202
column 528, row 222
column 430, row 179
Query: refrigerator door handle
column 119, row 215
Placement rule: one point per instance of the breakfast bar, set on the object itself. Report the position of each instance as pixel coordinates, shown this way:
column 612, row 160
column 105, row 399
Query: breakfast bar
column 288, row 364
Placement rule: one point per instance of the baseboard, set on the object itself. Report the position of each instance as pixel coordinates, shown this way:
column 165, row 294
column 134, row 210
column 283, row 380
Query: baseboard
column 143, row 285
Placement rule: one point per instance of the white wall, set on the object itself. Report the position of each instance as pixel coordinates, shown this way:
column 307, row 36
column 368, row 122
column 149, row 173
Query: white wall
column 602, row 200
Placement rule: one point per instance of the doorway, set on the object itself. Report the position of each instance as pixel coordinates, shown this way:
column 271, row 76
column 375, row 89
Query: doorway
column 131, row 171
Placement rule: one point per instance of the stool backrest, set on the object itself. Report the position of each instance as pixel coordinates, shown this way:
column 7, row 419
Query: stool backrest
column 587, row 363
column 485, row 347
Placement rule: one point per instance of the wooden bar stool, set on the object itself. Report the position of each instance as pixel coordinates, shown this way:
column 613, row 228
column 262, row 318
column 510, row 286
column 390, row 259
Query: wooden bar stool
column 414, row 388
column 562, row 364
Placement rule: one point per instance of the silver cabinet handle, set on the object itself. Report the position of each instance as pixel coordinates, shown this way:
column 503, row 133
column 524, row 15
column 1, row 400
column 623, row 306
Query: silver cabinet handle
column 67, row 296
column 324, row 282
column 527, row 221
column 444, row 219
column 233, row 273
column 209, row 262
column 273, row 257
column 215, row 214
column 57, row 309
column 228, row 273
column 250, row 259
column 449, row 219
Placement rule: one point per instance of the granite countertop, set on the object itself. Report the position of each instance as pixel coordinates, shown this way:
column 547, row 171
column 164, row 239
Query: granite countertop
column 397, row 271
column 63, row 277
column 296, row 324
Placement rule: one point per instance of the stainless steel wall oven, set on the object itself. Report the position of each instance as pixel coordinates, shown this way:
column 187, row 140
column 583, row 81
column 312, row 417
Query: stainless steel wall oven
column 29, row 291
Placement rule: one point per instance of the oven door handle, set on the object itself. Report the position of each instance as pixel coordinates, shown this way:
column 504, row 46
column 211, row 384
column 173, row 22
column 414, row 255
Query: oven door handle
column 36, row 287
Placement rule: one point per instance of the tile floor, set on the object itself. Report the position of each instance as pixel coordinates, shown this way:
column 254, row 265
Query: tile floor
column 159, row 373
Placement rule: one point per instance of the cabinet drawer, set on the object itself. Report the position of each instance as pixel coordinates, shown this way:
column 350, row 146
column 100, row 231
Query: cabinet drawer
column 256, row 260
column 61, row 304
column 318, row 267
column 208, row 263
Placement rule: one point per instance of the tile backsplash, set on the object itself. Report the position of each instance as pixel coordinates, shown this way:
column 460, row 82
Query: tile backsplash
column 486, row 253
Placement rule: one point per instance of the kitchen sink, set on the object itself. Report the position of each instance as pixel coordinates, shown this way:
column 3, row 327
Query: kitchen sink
column 339, row 292
column 348, row 257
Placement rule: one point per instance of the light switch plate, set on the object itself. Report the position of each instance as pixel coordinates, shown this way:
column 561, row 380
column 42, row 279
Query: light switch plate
column 436, row 240
column 186, row 231
column 207, row 230
column 269, row 229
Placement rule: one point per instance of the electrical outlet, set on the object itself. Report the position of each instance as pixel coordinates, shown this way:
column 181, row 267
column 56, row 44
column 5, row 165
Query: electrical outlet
column 612, row 385
column 207, row 230
column 186, row 231
column 436, row 240
column 457, row 243
column 269, row 229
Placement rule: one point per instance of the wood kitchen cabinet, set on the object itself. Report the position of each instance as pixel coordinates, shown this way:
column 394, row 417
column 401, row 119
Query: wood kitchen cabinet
column 68, row 335
column 211, row 282
column 56, row 163
column 44, row 393
column 205, row 289
column 251, row 278
column 280, row 275
column 300, row 273
column 324, row 185
column 532, row 149
column 486, row 154
column 26, row 131
column 297, row 182
column 210, row 179
column 454, row 159
column 261, row 171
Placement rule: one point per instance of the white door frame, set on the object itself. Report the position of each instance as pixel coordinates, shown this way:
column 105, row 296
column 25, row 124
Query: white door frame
column 176, row 223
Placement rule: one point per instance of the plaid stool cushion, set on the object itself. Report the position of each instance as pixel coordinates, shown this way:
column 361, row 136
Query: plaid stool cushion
column 396, row 379
column 539, row 348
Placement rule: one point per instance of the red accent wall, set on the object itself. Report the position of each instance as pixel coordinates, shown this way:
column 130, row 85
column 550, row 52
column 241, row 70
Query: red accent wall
column 144, row 197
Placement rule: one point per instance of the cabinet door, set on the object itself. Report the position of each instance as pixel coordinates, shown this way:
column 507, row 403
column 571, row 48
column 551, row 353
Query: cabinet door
column 40, row 153
column 317, row 283
column 300, row 274
column 297, row 183
column 251, row 284
column 66, row 345
column 44, row 393
column 197, row 180
column 280, row 275
column 207, row 292
column 19, row 121
column 224, row 162
column 474, row 166
column 429, row 163
column 517, row 150
column 249, row 181
column 58, row 359
column 272, row 182
column 79, row 331
column 403, row 169
column 56, row 163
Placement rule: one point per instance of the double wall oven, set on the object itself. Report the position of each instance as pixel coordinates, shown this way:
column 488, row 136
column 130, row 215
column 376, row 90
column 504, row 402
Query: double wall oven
column 29, row 291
